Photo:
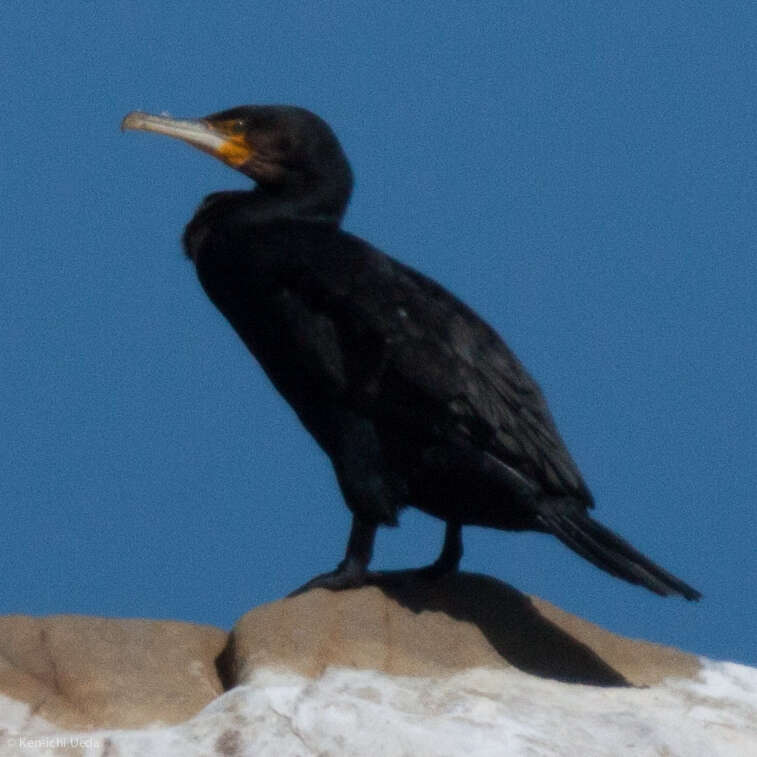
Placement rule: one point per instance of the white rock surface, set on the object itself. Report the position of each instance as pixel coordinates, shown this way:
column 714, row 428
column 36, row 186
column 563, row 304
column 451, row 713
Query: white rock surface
column 478, row 712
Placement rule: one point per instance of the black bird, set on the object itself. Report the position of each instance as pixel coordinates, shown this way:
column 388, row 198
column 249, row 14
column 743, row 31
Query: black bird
column 414, row 398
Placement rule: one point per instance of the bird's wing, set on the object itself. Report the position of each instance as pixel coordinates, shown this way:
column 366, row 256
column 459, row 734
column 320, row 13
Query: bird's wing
column 407, row 353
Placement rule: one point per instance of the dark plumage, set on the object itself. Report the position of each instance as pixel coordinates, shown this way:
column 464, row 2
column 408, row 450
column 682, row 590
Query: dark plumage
column 414, row 398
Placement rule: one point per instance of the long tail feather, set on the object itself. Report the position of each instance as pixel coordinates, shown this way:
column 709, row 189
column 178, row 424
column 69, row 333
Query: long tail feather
column 609, row 552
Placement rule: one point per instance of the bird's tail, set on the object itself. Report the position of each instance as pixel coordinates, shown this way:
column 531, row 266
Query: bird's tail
column 609, row 552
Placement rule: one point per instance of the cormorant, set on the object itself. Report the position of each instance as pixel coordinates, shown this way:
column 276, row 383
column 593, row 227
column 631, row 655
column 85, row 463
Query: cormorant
column 415, row 399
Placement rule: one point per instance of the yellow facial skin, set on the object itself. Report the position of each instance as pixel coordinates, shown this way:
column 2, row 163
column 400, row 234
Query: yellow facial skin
column 235, row 151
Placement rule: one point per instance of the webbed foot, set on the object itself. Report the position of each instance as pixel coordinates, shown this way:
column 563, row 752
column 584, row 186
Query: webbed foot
column 350, row 574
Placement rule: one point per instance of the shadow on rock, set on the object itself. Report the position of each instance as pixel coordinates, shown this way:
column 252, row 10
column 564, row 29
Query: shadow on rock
column 511, row 622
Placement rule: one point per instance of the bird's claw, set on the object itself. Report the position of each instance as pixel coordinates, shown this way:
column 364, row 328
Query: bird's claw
column 346, row 576
column 341, row 578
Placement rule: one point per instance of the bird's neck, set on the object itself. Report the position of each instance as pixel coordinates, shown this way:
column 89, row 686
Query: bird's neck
column 320, row 203
column 243, row 209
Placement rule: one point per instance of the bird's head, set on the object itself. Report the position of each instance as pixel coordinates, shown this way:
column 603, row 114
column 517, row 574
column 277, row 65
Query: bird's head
column 289, row 152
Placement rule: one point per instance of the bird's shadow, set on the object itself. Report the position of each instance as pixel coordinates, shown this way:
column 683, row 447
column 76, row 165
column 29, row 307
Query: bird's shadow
column 511, row 623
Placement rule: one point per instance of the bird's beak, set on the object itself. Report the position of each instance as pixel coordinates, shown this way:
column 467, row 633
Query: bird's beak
column 222, row 140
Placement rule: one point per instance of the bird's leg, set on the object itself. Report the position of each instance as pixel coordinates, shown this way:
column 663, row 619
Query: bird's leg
column 351, row 572
column 451, row 554
column 447, row 562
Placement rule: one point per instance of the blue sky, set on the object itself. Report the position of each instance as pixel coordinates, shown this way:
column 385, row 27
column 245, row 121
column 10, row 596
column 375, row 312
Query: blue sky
column 583, row 176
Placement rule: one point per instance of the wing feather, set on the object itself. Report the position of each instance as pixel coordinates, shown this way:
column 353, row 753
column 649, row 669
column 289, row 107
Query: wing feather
column 413, row 354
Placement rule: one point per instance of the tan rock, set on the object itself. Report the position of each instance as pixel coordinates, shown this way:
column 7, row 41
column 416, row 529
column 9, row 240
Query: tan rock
column 78, row 672
column 435, row 629
column 82, row 672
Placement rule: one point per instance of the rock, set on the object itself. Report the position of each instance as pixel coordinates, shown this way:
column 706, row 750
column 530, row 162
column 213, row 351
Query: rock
column 93, row 673
column 462, row 622
column 477, row 713
column 82, row 672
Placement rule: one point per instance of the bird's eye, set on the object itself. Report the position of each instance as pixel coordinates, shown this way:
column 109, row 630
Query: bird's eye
column 235, row 125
